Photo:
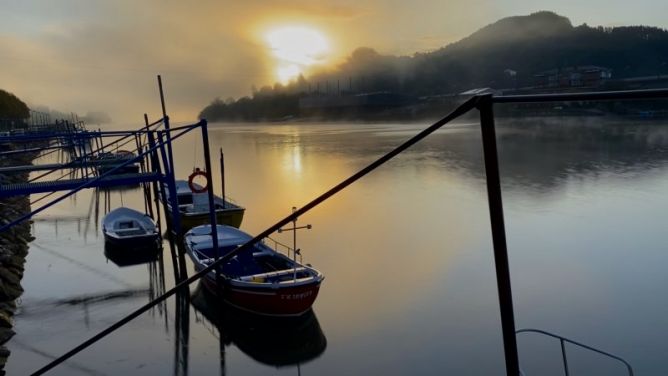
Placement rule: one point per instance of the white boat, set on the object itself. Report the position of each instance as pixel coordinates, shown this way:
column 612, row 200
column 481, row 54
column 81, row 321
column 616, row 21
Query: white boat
column 128, row 228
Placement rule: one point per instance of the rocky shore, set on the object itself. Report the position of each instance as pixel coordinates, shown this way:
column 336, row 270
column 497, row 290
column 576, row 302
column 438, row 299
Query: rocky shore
column 13, row 251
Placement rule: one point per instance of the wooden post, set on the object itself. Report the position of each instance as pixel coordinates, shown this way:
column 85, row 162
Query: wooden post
column 222, row 175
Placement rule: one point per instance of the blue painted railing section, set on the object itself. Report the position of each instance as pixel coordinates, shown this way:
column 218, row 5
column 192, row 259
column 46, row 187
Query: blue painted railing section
column 105, row 179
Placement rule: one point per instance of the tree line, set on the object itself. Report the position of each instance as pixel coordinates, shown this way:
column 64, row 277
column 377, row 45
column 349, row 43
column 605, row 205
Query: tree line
column 505, row 54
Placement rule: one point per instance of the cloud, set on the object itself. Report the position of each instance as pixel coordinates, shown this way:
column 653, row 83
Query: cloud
column 109, row 57
column 81, row 55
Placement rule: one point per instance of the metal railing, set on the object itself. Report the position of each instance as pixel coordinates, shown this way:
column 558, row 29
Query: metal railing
column 485, row 105
column 92, row 181
column 564, row 340
column 281, row 248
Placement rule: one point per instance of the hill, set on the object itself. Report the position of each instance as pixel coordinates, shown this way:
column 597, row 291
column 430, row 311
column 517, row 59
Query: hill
column 506, row 54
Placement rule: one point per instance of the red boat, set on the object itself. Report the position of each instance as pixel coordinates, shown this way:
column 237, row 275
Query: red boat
column 260, row 279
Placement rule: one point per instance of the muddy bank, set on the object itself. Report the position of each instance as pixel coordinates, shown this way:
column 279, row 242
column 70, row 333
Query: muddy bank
column 13, row 251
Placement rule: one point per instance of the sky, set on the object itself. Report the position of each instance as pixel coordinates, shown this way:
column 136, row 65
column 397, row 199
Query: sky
column 93, row 55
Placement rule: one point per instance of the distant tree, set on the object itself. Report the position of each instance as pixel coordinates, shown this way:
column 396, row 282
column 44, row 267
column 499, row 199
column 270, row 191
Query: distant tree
column 11, row 107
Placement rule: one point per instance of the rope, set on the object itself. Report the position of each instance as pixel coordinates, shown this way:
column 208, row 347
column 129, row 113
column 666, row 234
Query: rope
column 462, row 109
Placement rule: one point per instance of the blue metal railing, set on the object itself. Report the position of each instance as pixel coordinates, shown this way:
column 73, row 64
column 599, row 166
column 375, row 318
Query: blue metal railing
column 484, row 104
column 92, row 182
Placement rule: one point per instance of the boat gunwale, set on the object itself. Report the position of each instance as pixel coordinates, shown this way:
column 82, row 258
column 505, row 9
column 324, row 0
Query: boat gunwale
column 315, row 276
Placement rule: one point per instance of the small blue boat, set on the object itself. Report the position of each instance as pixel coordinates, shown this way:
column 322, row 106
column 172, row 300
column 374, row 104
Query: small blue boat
column 129, row 229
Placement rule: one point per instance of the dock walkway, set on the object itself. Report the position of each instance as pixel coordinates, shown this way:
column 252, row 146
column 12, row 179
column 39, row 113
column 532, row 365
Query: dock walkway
column 8, row 190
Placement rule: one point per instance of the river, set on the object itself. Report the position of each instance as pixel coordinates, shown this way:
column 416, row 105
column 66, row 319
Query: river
column 410, row 285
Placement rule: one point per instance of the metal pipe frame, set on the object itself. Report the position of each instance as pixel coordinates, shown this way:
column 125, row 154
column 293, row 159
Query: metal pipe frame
column 589, row 96
column 490, row 154
column 87, row 184
column 485, row 105
column 563, row 340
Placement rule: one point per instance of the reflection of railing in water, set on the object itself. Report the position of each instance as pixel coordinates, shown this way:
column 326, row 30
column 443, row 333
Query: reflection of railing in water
column 563, row 340
column 45, row 307
column 94, row 270
column 485, row 105
column 156, row 280
column 78, row 219
column 72, row 365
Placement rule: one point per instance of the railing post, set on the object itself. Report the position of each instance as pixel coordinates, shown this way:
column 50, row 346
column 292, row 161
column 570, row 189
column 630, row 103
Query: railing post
column 168, row 164
column 485, row 106
column 563, row 356
column 212, row 204
column 175, row 228
column 155, row 166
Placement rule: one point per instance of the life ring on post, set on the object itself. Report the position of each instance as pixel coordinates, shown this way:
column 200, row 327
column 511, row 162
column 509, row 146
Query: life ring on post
column 192, row 177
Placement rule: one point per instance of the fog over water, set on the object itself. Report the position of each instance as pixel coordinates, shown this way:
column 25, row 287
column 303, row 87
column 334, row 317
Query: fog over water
column 406, row 251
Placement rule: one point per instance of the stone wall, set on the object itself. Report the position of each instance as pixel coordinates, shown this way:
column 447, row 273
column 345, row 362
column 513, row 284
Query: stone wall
column 13, row 251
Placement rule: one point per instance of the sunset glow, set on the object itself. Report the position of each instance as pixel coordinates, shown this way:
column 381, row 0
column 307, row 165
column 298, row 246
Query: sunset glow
column 296, row 48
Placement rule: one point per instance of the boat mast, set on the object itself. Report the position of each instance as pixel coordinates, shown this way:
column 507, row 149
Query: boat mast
column 295, row 251
column 222, row 174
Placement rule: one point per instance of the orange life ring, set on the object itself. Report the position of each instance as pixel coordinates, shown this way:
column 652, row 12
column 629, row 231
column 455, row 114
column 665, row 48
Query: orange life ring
column 192, row 177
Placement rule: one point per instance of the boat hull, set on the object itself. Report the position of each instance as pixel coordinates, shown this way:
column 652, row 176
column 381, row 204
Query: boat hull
column 134, row 243
column 282, row 301
column 229, row 217
column 122, row 257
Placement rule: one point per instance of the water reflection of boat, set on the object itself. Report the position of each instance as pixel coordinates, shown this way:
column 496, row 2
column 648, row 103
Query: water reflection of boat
column 122, row 257
column 194, row 207
column 129, row 229
column 260, row 279
column 273, row 341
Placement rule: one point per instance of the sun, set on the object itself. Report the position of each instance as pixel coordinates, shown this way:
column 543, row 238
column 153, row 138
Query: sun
column 296, row 48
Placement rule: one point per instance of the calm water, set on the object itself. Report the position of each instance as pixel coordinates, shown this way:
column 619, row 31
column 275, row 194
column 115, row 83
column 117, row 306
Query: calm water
column 410, row 285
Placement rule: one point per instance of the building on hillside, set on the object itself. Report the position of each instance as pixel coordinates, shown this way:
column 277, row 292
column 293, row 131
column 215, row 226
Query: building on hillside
column 369, row 101
column 582, row 76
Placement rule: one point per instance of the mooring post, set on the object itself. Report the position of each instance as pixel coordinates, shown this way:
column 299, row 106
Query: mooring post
column 146, row 166
column 212, row 204
column 222, row 174
column 171, row 183
column 485, row 106
column 168, row 163
column 168, row 179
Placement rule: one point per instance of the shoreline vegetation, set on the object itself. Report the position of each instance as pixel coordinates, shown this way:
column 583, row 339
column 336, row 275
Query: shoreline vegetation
column 538, row 53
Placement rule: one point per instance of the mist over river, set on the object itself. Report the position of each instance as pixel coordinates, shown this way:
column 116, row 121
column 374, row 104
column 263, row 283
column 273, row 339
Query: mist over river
column 407, row 254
